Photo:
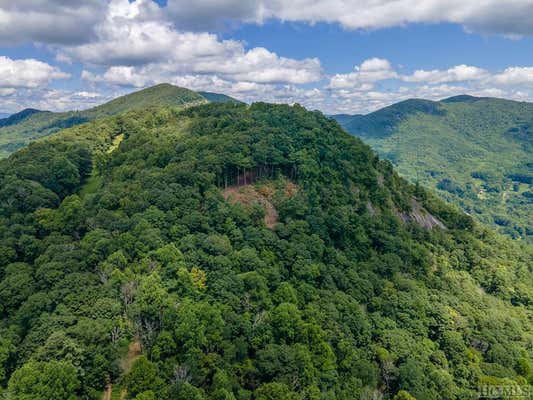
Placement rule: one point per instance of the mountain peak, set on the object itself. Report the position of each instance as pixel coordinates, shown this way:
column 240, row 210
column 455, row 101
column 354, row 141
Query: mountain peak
column 163, row 94
column 447, row 144
column 18, row 117
column 30, row 124
column 462, row 98
column 381, row 123
column 218, row 98
column 160, row 95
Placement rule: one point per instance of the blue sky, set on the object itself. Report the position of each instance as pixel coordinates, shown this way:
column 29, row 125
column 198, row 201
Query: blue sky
column 350, row 56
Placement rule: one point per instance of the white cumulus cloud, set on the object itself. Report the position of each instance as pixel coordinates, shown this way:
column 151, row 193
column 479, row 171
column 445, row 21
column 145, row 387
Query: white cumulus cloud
column 364, row 76
column 487, row 16
column 48, row 21
column 74, row 21
column 138, row 48
column 457, row 73
column 515, row 76
column 29, row 73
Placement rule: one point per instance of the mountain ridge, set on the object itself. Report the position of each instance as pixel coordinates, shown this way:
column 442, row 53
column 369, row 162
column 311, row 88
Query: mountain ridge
column 21, row 128
column 473, row 150
column 19, row 116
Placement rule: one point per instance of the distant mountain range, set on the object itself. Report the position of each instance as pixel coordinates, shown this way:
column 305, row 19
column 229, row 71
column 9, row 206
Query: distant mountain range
column 476, row 152
column 17, row 130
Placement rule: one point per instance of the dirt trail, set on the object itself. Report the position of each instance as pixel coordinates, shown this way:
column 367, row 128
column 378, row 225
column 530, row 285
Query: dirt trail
column 134, row 351
column 108, row 392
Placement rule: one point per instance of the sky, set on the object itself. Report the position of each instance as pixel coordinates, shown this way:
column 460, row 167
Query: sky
column 337, row 56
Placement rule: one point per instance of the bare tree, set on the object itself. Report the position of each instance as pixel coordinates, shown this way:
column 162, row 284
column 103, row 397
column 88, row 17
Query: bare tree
column 116, row 333
column 181, row 374
column 127, row 292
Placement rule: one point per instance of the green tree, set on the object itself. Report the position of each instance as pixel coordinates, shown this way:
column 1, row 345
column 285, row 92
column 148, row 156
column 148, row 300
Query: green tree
column 403, row 395
column 142, row 377
column 275, row 391
column 186, row 391
column 148, row 395
column 286, row 321
column 44, row 381
column 7, row 356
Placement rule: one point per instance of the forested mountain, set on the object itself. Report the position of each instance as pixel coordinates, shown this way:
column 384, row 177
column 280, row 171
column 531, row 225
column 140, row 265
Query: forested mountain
column 18, row 117
column 475, row 152
column 257, row 252
column 21, row 128
column 218, row 97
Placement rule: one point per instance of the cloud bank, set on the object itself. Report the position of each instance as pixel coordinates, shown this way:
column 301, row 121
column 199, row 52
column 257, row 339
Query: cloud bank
column 75, row 21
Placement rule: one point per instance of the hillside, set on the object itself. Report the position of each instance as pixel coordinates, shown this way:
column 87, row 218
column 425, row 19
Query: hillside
column 21, row 128
column 155, row 96
column 18, row 117
column 475, row 152
column 244, row 252
column 218, row 97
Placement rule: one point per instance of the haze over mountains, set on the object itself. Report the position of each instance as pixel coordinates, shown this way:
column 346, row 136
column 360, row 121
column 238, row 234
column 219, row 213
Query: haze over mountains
column 475, row 152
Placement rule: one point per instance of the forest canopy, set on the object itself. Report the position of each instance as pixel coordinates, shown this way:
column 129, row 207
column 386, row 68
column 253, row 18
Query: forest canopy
column 136, row 259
